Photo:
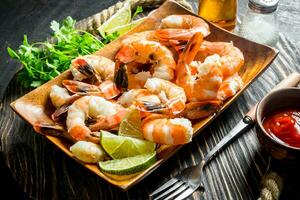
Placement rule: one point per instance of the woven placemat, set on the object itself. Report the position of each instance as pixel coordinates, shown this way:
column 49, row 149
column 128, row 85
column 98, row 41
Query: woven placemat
column 91, row 23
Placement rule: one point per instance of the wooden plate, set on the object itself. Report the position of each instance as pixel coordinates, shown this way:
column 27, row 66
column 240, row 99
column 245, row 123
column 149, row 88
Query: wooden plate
column 34, row 106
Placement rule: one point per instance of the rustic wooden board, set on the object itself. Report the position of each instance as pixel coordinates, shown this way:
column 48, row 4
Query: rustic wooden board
column 34, row 106
column 44, row 172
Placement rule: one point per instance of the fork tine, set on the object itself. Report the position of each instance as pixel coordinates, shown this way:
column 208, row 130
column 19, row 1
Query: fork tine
column 164, row 186
column 185, row 194
column 178, row 191
column 171, row 189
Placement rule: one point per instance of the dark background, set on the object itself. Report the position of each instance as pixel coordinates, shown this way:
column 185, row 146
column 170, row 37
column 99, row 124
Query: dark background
column 32, row 17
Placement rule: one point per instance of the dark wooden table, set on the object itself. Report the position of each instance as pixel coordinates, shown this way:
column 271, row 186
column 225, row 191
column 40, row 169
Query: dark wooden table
column 44, row 172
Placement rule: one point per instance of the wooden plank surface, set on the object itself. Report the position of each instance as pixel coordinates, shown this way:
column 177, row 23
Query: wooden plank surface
column 43, row 171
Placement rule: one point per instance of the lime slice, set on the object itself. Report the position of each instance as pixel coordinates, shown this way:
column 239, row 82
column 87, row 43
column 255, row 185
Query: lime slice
column 128, row 165
column 131, row 125
column 121, row 147
column 125, row 28
column 121, row 17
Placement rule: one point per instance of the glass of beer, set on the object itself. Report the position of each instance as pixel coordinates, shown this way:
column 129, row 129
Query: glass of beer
column 220, row 12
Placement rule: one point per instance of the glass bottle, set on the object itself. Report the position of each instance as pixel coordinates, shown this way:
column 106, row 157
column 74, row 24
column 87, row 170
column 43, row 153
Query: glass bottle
column 220, row 12
column 260, row 22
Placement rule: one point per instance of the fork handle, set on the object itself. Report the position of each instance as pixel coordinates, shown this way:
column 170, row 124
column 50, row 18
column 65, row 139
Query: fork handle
column 292, row 80
column 240, row 128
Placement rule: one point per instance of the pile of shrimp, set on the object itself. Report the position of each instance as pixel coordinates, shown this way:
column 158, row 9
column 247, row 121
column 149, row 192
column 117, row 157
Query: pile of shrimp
column 172, row 75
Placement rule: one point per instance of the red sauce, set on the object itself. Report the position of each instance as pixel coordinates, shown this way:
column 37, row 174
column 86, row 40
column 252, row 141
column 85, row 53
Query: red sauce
column 285, row 125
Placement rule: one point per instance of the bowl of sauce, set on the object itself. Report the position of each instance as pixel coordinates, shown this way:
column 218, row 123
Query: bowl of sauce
column 278, row 124
column 284, row 125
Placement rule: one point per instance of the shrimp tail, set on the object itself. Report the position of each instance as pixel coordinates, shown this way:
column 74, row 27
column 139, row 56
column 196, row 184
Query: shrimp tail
column 52, row 130
column 80, row 132
column 187, row 56
column 121, row 76
column 178, row 46
column 107, row 123
column 107, row 88
column 172, row 107
column 147, row 106
column 79, row 87
column 201, row 109
column 61, row 112
column 191, row 49
column 83, row 67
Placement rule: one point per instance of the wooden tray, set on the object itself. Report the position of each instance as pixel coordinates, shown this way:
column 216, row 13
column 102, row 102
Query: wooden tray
column 35, row 105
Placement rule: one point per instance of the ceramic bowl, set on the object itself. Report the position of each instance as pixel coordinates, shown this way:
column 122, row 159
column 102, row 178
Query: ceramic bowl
column 283, row 98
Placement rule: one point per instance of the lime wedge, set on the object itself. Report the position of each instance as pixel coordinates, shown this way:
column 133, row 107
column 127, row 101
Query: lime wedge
column 125, row 28
column 121, row 147
column 121, row 17
column 131, row 125
column 128, row 165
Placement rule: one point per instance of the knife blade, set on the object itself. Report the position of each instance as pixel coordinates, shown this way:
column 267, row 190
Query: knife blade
column 249, row 119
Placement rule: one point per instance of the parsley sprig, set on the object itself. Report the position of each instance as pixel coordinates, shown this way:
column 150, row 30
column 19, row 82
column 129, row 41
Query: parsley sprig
column 43, row 61
column 139, row 9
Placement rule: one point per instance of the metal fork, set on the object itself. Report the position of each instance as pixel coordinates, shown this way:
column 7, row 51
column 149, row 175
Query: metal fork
column 189, row 179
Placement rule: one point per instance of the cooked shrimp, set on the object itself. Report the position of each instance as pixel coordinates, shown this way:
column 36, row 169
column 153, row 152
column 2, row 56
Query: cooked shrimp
column 201, row 81
column 108, row 113
column 148, row 52
column 143, row 100
column 181, row 27
column 107, row 89
column 172, row 95
column 61, row 99
column 150, row 36
column 231, row 58
column 229, row 87
column 93, row 67
column 162, row 130
column 59, row 96
column 138, row 95
column 88, row 152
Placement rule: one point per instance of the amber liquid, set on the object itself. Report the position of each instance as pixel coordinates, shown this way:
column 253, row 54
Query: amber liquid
column 220, row 12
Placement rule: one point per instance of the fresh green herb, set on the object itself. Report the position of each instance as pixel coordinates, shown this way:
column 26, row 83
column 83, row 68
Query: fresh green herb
column 110, row 37
column 138, row 10
column 43, row 61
